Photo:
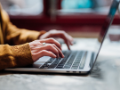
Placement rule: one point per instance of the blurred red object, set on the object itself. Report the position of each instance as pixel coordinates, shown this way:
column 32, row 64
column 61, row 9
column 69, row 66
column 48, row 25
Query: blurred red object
column 114, row 37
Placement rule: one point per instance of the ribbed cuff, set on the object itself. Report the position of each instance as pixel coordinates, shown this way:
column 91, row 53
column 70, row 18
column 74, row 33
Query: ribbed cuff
column 22, row 54
column 41, row 33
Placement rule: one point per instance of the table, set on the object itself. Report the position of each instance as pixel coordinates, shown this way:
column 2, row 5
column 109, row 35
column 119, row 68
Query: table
column 105, row 75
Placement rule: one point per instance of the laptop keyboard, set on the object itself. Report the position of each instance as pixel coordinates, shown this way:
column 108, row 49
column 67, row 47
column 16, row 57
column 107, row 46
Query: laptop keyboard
column 72, row 60
column 82, row 63
column 77, row 61
column 55, row 63
column 66, row 54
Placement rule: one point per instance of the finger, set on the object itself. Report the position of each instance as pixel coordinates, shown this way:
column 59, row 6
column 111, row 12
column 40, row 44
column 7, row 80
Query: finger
column 70, row 39
column 52, row 41
column 52, row 48
column 64, row 36
column 61, row 54
column 47, row 53
column 68, row 45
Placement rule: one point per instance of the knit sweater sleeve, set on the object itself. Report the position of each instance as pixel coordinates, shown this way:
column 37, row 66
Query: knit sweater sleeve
column 19, row 54
column 14, row 35
column 13, row 56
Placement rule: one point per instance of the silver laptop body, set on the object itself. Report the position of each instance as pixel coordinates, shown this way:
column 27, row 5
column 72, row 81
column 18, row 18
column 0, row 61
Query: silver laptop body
column 79, row 61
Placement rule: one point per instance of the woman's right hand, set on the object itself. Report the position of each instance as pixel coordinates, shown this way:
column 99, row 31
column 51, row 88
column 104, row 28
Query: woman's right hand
column 45, row 47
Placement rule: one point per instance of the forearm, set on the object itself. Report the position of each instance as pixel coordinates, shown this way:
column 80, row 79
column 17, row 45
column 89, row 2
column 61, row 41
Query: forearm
column 13, row 56
column 16, row 36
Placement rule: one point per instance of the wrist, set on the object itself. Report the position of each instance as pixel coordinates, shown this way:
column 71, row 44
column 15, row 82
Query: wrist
column 41, row 33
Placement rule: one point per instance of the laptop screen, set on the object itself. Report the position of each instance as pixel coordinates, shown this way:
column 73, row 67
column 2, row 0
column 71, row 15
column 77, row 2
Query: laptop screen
column 105, row 28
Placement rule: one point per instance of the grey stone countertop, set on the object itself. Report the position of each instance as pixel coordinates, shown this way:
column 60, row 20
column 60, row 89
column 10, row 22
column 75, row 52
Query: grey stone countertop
column 104, row 76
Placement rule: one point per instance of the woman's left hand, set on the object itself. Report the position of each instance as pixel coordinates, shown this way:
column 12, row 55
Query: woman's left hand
column 61, row 34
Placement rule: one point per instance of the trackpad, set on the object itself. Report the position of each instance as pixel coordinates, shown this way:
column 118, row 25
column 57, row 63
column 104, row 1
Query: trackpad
column 41, row 61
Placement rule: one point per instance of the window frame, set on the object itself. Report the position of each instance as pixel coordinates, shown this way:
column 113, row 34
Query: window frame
column 70, row 19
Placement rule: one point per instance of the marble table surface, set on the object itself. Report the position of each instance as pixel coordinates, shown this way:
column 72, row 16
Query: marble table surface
column 104, row 76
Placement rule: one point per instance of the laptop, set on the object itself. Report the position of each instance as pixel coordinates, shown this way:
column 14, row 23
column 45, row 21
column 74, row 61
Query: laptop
column 75, row 61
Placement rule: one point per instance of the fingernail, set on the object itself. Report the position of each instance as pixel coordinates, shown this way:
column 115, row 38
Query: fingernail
column 58, row 55
column 55, row 56
column 63, row 56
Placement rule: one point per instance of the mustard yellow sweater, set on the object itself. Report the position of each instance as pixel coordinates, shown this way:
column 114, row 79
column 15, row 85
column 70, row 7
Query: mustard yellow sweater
column 14, row 47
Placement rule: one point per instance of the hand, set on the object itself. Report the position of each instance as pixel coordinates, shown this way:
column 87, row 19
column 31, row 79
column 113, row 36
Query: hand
column 52, row 48
column 62, row 34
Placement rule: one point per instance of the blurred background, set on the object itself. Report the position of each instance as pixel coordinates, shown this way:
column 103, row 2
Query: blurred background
column 23, row 7
column 30, row 7
column 84, row 17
